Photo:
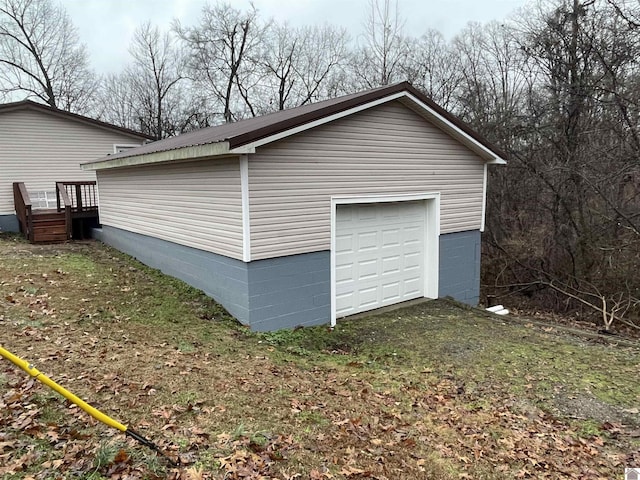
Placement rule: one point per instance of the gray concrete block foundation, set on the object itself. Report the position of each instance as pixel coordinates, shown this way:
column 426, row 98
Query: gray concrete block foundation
column 284, row 292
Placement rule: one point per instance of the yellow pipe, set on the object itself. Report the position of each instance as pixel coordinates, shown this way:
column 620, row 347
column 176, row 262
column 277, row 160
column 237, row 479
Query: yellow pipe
column 95, row 413
column 35, row 373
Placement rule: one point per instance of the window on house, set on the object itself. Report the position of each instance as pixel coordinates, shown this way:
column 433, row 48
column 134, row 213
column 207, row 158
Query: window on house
column 43, row 199
column 118, row 148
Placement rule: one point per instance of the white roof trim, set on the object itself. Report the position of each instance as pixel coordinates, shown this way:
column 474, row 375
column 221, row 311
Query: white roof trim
column 183, row 153
column 484, row 151
column 251, row 147
column 222, row 148
column 487, row 154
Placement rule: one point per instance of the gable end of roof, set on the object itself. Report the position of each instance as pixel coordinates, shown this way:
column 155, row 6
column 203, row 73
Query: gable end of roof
column 39, row 107
column 245, row 136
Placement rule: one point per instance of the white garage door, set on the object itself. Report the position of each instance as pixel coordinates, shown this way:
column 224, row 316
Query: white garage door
column 379, row 255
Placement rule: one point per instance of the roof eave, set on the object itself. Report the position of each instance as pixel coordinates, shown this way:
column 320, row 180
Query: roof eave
column 31, row 105
column 497, row 161
column 427, row 109
column 195, row 152
column 247, row 143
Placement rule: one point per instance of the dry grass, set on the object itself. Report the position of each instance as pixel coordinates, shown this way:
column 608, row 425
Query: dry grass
column 432, row 392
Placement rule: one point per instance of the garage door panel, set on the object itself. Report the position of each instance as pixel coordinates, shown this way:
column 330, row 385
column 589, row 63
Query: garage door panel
column 391, row 238
column 412, row 260
column 367, row 269
column 391, row 264
column 413, row 233
column 344, row 304
column 344, row 244
column 413, row 287
column 367, row 297
column 412, row 247
column 365, row 212
column 383, row 262
column 344, row 273
column 391, row 293
column 367, row 241
column 346, row 215
column 390, row 212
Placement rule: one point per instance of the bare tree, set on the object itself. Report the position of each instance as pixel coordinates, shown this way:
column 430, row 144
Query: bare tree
column 118, row 105
column 433, row 66
column 155, row 75
column 218, row 49
column 378, row 60
column 41, row 55
column 628, row 10
column 321, row 61
column 563, row 215
column 299, row 63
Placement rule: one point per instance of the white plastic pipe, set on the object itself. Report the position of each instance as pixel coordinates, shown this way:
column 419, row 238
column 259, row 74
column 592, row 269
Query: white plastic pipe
column 495, row 308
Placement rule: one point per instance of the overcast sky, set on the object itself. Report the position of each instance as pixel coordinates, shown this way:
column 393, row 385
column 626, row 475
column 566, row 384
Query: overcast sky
column 106, row 26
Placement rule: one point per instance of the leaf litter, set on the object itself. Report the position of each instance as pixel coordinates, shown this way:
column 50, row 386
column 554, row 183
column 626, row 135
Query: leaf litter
column 307, row 404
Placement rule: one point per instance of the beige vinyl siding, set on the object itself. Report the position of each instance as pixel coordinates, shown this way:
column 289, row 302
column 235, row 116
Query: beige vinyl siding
column 388, row 149
column 197, row 204
column 40, row 149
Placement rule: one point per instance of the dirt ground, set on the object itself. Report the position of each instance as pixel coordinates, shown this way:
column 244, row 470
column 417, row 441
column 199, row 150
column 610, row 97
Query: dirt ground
column 432, row 391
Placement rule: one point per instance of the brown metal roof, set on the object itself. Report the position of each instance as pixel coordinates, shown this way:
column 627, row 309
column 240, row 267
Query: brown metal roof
column 252, row 129
column 31, row 105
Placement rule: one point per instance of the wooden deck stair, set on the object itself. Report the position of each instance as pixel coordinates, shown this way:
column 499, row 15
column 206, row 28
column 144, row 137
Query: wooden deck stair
column 77, row 203
column 49, row 226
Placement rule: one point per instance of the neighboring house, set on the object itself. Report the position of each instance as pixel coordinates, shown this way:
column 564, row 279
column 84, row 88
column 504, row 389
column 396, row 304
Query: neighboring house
column 310, row 214
column 40, row 146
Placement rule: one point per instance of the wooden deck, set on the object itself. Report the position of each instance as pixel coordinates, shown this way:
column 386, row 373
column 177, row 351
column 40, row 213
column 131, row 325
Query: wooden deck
column 77, row 205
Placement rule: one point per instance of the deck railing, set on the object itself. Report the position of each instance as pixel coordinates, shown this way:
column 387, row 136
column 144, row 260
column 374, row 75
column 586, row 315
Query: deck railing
column 24, row 213
column 64, row 203
column 82, row 197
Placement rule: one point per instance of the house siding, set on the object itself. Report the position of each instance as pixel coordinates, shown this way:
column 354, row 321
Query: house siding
column 388, row 149
column 196, row 204
column 39, row 149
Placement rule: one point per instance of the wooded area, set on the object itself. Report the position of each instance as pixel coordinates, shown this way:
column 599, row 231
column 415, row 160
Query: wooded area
column 556, row 86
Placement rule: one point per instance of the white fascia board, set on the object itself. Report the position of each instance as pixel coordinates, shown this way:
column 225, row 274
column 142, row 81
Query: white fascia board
column 222, row 148
column 497, row 161
column 251, row 147
column 485, row 152
column 488, row 155
column 184, row 153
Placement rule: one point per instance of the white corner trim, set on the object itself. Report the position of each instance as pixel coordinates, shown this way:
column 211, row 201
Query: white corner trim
column 246, row 219
column 332, row 255
column 484, row 198
column 432, row 235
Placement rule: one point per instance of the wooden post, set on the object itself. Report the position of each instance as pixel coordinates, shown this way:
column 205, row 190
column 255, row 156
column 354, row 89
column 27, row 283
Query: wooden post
column 78, row 197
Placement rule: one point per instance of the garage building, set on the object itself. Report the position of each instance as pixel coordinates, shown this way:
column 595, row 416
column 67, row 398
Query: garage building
column 309, row 214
